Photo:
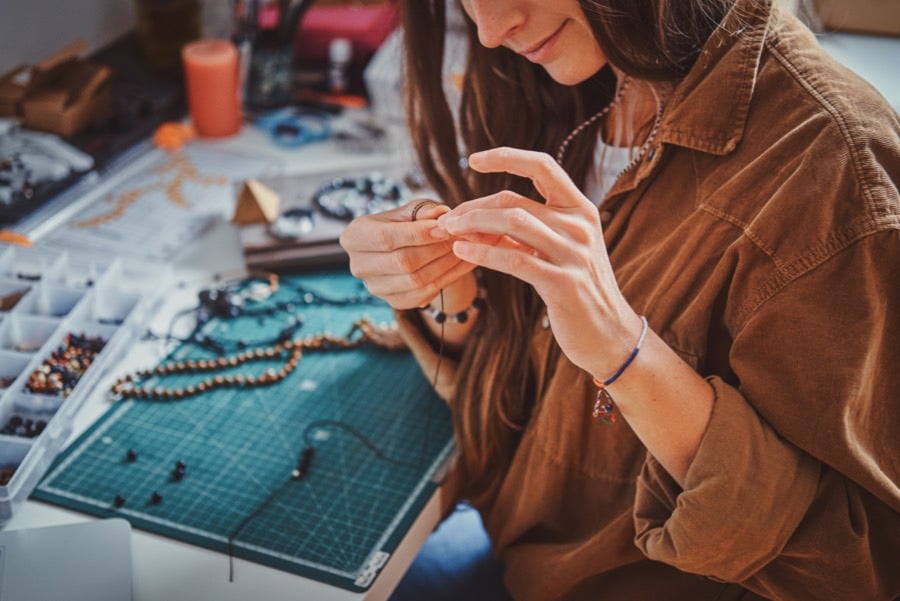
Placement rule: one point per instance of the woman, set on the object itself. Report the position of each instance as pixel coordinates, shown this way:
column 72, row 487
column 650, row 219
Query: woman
column 729, row 309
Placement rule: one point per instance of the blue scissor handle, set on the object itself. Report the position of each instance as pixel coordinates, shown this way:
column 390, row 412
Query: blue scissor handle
column 292, row 127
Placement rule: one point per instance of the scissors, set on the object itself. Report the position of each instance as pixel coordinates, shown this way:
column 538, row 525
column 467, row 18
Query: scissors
column 292, row 127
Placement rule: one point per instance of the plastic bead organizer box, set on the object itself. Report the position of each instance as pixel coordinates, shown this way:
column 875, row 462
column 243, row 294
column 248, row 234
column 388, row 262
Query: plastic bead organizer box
column 236, row 448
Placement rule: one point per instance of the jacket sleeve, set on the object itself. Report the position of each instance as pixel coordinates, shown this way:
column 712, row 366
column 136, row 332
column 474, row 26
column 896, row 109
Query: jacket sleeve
column 795, row 489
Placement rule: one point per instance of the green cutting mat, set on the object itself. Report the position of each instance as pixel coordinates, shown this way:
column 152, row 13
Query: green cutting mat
column 339, row 523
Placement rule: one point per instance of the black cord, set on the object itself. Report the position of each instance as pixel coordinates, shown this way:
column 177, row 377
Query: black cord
column 434, row 382
column 366, row 441
column 234, row 533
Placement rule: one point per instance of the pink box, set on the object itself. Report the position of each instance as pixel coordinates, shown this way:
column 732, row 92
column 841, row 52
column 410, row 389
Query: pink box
column 366, row 25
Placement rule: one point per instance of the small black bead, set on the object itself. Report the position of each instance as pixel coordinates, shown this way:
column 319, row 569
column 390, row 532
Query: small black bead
column 479, row 303
column 156, row 498
column 131, row 456
column 119, row 501
column 440, row 317
column 179, row 471
column 462, row 317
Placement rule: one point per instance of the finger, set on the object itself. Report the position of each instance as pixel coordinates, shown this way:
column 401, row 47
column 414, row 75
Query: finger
column 521, row 264
column 399, row 293
column 548, row 176
column 376, row 235
column 504, row 199
column 403, row 261
column 426, row 209
column 518, row 224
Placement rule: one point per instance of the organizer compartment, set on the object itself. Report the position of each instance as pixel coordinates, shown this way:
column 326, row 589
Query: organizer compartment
column 26, row 334
column 64, row 302
column 30, row 264
column 12, row 366
column 12, row 292
column 110, row 306
column 50, row 300
column 27, row 416
column 13, row 453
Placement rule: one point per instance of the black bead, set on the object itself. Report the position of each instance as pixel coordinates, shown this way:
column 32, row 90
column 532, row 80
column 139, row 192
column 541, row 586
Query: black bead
column 131, row 456
column 479, row 303
column 156, row 498
column 462, row 317
column 119, row 501
column 440, row 317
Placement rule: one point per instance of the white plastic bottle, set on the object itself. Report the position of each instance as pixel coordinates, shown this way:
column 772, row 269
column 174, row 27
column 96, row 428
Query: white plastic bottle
column 340, row 54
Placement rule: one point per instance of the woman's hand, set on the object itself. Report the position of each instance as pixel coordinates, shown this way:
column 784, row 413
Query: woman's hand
column 557, row 247
column 404, row 262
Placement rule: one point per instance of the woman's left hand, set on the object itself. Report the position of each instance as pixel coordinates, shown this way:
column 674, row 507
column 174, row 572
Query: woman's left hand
column 557, row 247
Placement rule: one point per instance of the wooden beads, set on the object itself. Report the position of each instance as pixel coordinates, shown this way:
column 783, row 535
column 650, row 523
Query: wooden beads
column 129, row 385
column 59, row 373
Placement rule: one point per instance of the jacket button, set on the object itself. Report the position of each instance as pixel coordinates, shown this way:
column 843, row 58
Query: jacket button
column 651, row 154
column 605, row 216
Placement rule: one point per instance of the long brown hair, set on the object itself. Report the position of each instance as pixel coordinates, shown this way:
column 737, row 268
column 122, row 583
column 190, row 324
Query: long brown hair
column 509, row 101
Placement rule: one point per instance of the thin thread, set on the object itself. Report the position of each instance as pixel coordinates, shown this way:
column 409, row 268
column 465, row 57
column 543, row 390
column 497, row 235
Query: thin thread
column 434, row 381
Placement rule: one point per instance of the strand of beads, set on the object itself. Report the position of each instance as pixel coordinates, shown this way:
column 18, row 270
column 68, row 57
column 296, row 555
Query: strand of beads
column 131, row 385
column 561, row 151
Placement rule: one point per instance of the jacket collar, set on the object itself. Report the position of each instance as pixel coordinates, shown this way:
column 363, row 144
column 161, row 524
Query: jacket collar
column 709, row 107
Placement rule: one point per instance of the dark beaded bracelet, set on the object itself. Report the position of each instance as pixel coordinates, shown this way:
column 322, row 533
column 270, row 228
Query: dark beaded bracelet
column 478, row 304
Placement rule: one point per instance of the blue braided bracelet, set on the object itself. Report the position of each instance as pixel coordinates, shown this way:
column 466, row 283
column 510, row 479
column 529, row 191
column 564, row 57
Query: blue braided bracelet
column 604, row 406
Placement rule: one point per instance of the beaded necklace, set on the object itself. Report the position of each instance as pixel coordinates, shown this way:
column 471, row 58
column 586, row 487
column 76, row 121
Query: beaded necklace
column 560, row 154
column 129, row 385
column 650, row 138
column 587, row 122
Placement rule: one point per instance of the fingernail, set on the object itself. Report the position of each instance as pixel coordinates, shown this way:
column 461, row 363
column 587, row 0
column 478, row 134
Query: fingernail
column 446, row 222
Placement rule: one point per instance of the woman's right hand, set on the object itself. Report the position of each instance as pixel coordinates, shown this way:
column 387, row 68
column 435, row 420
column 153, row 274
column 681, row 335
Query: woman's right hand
column 407, row 263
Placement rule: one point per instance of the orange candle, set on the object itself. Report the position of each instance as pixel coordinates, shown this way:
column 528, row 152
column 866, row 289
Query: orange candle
column 213, row 94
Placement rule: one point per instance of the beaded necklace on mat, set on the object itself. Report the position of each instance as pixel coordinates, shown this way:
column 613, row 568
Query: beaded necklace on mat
column 130, row 385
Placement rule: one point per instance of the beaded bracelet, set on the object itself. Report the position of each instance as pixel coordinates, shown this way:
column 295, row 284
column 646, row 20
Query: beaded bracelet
column 478, row 303
column 604, row 404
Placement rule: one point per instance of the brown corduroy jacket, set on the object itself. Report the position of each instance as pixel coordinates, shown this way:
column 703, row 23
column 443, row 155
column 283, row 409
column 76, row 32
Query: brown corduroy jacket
column 761, row 237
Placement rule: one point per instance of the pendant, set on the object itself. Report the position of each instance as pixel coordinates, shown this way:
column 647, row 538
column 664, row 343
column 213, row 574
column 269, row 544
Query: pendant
column 604, row 407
